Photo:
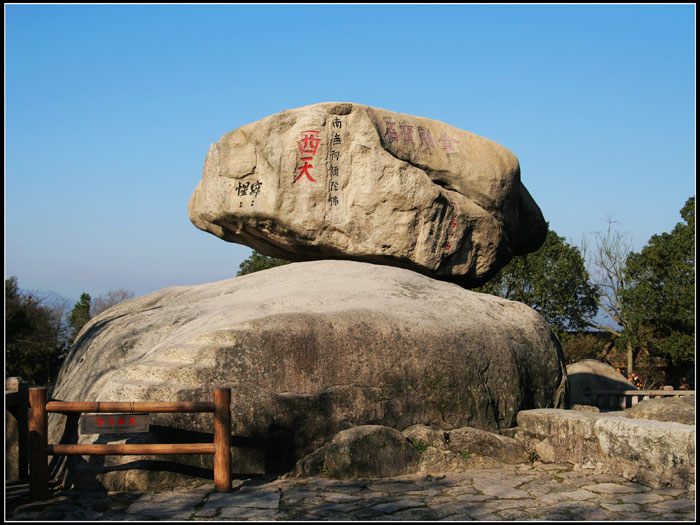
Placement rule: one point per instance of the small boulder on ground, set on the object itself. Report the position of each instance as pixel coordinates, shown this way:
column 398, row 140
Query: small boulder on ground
column 365, row 451
column 375, row 451
column 468, row 441
column 476, row 441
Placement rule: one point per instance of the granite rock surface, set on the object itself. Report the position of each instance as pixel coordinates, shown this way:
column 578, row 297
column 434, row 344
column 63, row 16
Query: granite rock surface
column 343, row 180
column 308, row 349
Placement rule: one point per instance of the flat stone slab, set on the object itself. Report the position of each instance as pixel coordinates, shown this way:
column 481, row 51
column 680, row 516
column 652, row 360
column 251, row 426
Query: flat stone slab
column 162, row 504
column 263, row 500
column 395, row 506
column 500, row 491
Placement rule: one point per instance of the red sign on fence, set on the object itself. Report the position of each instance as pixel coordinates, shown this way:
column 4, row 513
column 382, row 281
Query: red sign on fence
column 107, row 423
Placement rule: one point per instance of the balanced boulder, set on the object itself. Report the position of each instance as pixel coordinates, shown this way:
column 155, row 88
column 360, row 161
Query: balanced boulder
column 311, row 349
column 342, row 180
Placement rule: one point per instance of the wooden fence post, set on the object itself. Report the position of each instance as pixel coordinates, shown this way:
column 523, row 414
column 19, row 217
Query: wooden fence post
column 16, row 429
column 23, row 430
column 222, row 440
column 38, row 440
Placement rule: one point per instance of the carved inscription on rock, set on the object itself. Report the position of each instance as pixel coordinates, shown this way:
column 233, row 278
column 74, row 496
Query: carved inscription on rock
column 338, row 162
column 346, row 180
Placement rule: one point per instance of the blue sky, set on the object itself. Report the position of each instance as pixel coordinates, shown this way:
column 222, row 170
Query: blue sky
column 110, row 111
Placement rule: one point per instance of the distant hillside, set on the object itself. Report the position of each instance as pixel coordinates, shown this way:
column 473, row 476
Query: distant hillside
column 51, row 296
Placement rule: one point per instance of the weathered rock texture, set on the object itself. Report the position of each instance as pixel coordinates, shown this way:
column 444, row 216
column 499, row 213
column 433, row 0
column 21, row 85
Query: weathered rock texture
column 375, row 451
column 655, row 453
column 310, row 349
column 341, row 180
column 589, row 374
column 678, row 409
column 365, row 451
column 468, row 442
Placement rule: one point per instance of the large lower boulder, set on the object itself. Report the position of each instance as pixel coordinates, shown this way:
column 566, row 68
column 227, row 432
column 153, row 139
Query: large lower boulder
column 309, row 349
column 343, row 180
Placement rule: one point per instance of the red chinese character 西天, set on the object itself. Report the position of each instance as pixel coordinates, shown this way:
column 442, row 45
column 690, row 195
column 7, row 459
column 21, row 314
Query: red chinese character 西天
column 309, row 142
column 305, row 170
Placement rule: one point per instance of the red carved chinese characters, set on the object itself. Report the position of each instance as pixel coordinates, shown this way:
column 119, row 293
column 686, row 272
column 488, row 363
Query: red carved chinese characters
column 308, row 145
column 407, row 132
column 426, row 137
column 403, row 133
column 391, row 133
column 447, row 142
column 305, row 170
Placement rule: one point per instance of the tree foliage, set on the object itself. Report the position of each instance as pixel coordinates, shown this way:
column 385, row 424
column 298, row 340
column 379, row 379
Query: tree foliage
column 606, row 266
column 109, row 299
column 80, row 314
column 257, row 262
column 587, row 345
column 607, row 260
column 660, row 291
column 36, row 336
column 553, row 280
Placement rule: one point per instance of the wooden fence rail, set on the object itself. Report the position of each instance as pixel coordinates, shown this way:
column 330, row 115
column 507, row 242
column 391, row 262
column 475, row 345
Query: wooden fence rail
column 40, row 449
column 622, row 399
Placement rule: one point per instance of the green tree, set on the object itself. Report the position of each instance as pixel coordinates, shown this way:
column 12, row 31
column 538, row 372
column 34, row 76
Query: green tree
column 35, row 335
column 257, row 262
column 553, row 280
column 80, row 314
column 660, row 291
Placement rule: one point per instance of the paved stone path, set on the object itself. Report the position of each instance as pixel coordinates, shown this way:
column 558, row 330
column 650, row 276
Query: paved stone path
column 518, row 492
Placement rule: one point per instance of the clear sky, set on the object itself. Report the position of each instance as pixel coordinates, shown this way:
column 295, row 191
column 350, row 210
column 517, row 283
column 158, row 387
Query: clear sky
column 110, row 111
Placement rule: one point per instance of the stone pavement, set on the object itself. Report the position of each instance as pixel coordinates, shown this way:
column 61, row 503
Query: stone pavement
column 548, row 492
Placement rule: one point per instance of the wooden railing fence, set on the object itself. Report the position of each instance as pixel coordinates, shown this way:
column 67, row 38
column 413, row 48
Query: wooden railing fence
column 621, row 399
column 40, row 449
